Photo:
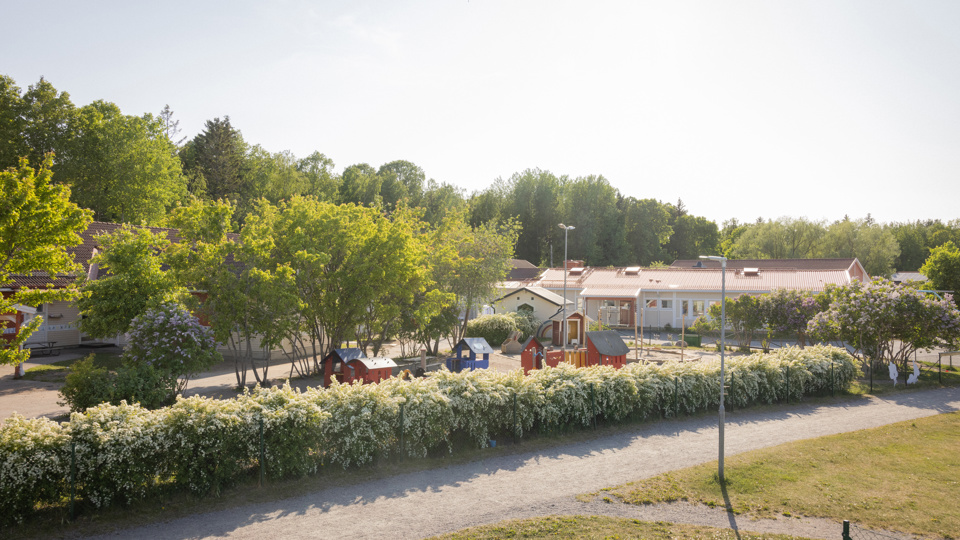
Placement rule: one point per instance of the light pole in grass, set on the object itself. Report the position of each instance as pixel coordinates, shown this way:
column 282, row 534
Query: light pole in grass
column 563, row 320
column 723, row 344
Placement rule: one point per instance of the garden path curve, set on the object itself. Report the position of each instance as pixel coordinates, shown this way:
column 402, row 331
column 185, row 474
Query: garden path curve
column 545, row 482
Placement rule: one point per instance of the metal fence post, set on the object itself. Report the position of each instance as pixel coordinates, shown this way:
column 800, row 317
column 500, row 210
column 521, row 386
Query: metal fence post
column 833, row 379
column 788, row 384
column 263, row 465
column 73, row 476
column 401, row 431
column 593, row 404
column 676, row 397
column 846, row 530
column 516, row 437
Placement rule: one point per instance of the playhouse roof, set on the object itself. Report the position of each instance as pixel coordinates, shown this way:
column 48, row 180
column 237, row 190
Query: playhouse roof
column 608, row 343
column 349, row 353
column 477, row 345
column 529, row 339
column 378, row 362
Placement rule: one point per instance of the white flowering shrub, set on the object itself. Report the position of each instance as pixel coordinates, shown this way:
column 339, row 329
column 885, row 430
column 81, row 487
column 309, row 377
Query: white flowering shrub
column 481, row 400
column 293, row 426
column 427, row 414
column 362, row 424
column 34, row 465
column 126, row 440
column 211, row 441
column 124, row 451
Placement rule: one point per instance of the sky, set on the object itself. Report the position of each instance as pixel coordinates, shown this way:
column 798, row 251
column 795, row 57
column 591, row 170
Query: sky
column 816, row 109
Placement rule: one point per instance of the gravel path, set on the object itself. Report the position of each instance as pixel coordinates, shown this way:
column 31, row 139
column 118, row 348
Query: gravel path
column 545, row 482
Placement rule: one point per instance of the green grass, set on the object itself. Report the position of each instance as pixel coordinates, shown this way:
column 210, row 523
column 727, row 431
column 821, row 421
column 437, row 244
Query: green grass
column 903, row 477
column 929, row 378
column 597, row 527
column 57, row 371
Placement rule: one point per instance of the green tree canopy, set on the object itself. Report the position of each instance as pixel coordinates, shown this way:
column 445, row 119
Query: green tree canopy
column 134, row 280
column 37, row 225
column 942, row 268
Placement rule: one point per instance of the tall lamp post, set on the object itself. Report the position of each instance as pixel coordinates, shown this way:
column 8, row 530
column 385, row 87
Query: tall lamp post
column 563, row 321
column 723, row 344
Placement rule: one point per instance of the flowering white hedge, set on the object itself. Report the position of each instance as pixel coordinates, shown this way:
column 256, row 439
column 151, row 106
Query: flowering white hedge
column 123, row 452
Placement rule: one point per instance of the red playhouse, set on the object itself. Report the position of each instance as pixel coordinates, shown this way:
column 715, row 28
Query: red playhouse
column 606, row 348
column 350, row 364
column 531, row 356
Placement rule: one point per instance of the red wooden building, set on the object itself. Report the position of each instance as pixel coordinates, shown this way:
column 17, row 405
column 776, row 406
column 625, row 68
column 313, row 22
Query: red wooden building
column 350, row 364
column 606, row 348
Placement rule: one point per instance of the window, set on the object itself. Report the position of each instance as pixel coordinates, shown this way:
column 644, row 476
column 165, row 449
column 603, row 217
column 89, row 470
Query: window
column 698, row 307
column 685, row 306
column 666, row 304
column 652, row 304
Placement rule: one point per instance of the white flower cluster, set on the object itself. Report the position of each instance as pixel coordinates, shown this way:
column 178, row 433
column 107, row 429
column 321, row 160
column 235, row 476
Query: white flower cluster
column 202, row 444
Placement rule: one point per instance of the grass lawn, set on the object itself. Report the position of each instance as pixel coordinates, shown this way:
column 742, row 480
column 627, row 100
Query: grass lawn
column 903, row 477
column 596, row 527
column 57, row 371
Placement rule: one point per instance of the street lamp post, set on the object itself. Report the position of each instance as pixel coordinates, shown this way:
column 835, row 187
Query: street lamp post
column 563, row 321
column 723, row 345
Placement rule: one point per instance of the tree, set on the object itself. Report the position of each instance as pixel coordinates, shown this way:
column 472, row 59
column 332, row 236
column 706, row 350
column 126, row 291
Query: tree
column 534, row 201
column 647, row 229
column 942, row 268
column 744, row 317
column 47, row 115
column 790, row 310
column 784, row 238
column 590, row 204
column 134, row 281
column 217, row 155
column 886, row 322
column 474, row 260
column 122, row 167
column 875, row 247
column 247, row 296
column 37, row 225
column 171, row 127
column 12, row 143
column 406, row 181
column 321, row 182
column 360, row 184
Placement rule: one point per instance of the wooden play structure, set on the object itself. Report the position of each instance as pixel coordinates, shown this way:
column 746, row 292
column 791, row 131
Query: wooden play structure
column 512, row 344
column 604, row 348
column 531, row 355
column 470, row 353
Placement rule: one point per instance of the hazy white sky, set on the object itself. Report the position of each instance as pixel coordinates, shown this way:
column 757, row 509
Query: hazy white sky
column 742, row 109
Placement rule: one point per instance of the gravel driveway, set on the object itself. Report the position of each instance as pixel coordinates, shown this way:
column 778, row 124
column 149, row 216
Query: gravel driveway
column 546, row 482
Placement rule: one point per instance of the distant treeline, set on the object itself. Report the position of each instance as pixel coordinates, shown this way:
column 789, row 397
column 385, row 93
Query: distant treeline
column 135, row 169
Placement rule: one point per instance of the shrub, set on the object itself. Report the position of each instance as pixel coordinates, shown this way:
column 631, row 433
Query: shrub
column 125, row 451
column 87, row 386
column 34, row 461
column 493, row 328
column 527, row 323
column 173, row 341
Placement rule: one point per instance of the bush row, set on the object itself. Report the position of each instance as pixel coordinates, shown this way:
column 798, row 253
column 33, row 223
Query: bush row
column 124, row 452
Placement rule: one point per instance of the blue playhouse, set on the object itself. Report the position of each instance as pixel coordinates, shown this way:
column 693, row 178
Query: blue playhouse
column 471, row 353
